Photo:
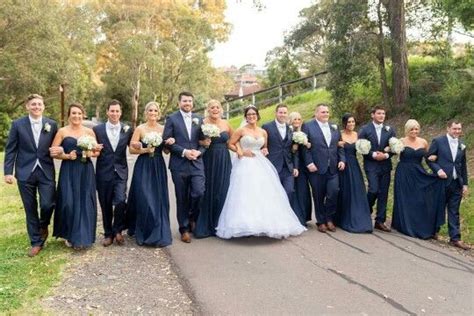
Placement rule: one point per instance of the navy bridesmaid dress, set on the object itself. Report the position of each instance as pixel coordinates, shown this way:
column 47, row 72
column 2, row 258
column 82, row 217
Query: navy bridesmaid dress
column 148, row 202
column 302, row 203
column 418, row 206
column 217, row 166
column 353, row 211
column 75, row 218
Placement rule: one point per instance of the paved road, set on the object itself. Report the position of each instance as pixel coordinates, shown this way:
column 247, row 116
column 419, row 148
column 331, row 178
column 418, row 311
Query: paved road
column 315, row 273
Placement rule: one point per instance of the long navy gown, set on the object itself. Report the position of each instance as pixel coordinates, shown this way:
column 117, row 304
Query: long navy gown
column 353, row 211
column 418, row 207
column 75, row 218
column 148, row 202
column 301, row 202
column 217, row 166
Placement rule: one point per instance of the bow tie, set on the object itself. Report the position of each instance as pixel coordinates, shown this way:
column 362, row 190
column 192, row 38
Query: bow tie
column 378, row 126
column 281, row 125
column 187, row 115
column 325, row 125
column 453, row 141
column 34, row 122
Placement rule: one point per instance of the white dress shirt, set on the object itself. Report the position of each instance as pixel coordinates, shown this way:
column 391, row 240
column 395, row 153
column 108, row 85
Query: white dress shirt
column 36, row 127
column 281, row 129
column 188, row 121
column 378, row 130
column 326, row 131
column 113, row 133
column 453, row 146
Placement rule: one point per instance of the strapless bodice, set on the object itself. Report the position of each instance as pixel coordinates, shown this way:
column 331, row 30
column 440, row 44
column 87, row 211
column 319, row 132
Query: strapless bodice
column 252, row 143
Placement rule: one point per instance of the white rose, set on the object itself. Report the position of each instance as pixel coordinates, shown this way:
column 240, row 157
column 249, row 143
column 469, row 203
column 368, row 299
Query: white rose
column 195, row 121
column 125, row 128
column 387, row 128
column 463, row 146
column 47, row 127
column 334, row 126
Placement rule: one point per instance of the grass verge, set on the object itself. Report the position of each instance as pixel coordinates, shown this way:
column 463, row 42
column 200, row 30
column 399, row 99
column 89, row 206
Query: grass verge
column 22, row 279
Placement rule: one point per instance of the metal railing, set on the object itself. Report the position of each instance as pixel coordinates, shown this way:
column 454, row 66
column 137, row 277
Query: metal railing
column 272, row 95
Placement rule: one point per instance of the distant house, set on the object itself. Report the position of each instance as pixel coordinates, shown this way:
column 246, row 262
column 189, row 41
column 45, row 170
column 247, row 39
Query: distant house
column 244, row 84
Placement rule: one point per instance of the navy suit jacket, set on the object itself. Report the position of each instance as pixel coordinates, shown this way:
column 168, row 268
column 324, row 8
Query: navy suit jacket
column 279, row 150
column 176, row 128
column 323, row 156
column 110, row 160
column 21, row 152
column 368, row 132
column 440, row 147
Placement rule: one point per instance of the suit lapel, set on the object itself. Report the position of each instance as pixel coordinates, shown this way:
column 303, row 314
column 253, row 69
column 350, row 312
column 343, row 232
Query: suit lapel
column 183, row 125
column 29, row 131
column 103, row 130
column 320, row 132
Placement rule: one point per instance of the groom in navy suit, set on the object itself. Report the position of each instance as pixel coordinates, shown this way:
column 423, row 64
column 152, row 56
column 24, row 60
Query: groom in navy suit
column 187, row 168
column 28, row 152
column 449, row 163
column 323, row 161
column 378, row 164
column 279, row 142
column 112, row 172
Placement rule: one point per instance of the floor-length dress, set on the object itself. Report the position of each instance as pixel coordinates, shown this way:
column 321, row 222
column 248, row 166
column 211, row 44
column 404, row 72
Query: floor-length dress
column 301, row 203
column 75, row 218
column 353, row 211
column 418, row 207
column 148, row 201
column 217, row 166
column 256, row 202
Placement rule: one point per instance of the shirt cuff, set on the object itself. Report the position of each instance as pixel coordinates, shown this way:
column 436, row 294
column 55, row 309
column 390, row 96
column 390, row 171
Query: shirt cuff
column 184, row 151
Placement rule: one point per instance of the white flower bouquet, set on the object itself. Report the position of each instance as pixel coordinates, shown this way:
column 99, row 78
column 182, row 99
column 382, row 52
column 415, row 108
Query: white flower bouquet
column 363, row 146
column 396, row 145
column 300, row 138
column 152, row 139
column 210, row 130
column 86, row 143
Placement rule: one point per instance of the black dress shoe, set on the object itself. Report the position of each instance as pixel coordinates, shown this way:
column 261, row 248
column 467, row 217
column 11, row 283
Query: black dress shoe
column 459, row 244
column 382, row 227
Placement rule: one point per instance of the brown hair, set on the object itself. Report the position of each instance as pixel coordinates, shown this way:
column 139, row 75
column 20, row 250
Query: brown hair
column 76, row 105
column 377, row 108
column 114, row 102
column 451, row 122
column 251, row 107
column 279, row 106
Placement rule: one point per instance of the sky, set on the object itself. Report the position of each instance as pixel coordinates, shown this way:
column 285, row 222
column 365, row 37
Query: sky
column 255, row 32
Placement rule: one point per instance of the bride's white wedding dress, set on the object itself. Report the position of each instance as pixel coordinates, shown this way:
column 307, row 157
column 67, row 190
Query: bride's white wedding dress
column 256, row 203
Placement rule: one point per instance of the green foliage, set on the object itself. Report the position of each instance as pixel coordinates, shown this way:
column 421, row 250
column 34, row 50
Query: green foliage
column 460, row 10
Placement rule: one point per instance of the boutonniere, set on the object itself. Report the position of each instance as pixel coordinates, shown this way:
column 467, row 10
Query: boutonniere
column 334, row 127
column 387, row 128
column 47, row 127
column 195, row 121
column 125, row 128
column 290, row 127
column 463, row 146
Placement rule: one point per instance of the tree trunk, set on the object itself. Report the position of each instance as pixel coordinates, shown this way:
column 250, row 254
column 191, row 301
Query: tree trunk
column 400, row 80
column 381, row 57
column 136, row 98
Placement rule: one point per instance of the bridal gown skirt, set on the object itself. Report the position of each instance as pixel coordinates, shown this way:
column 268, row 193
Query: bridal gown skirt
column 256, row 203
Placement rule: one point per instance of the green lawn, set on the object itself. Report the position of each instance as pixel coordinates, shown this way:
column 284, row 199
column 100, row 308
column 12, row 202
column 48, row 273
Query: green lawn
column 23, row 279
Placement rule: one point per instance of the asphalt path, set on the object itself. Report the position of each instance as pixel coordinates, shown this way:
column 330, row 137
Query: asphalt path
column 316, row 273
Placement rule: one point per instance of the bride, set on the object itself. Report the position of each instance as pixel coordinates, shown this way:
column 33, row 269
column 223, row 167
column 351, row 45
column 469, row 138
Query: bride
column 256, row 203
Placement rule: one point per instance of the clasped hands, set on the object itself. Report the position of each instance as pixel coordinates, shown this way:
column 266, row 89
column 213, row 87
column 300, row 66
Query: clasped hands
column 312, row 167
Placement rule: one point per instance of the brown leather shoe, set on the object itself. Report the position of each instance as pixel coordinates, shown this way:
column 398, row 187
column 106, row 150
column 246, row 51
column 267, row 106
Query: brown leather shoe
column 44, row 233
column 322, row 228
column 435, row 236
column 331, row 226
column 107, row 241
column 34, row 251
column 119, row 239
column 382, row 227
column 459, row 244
column 185, row 237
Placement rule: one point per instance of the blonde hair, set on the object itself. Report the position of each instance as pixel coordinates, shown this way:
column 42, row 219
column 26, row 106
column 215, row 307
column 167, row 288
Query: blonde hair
column 411, row 124
column 292, row 116
column 211, row 103
column 150, row 104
